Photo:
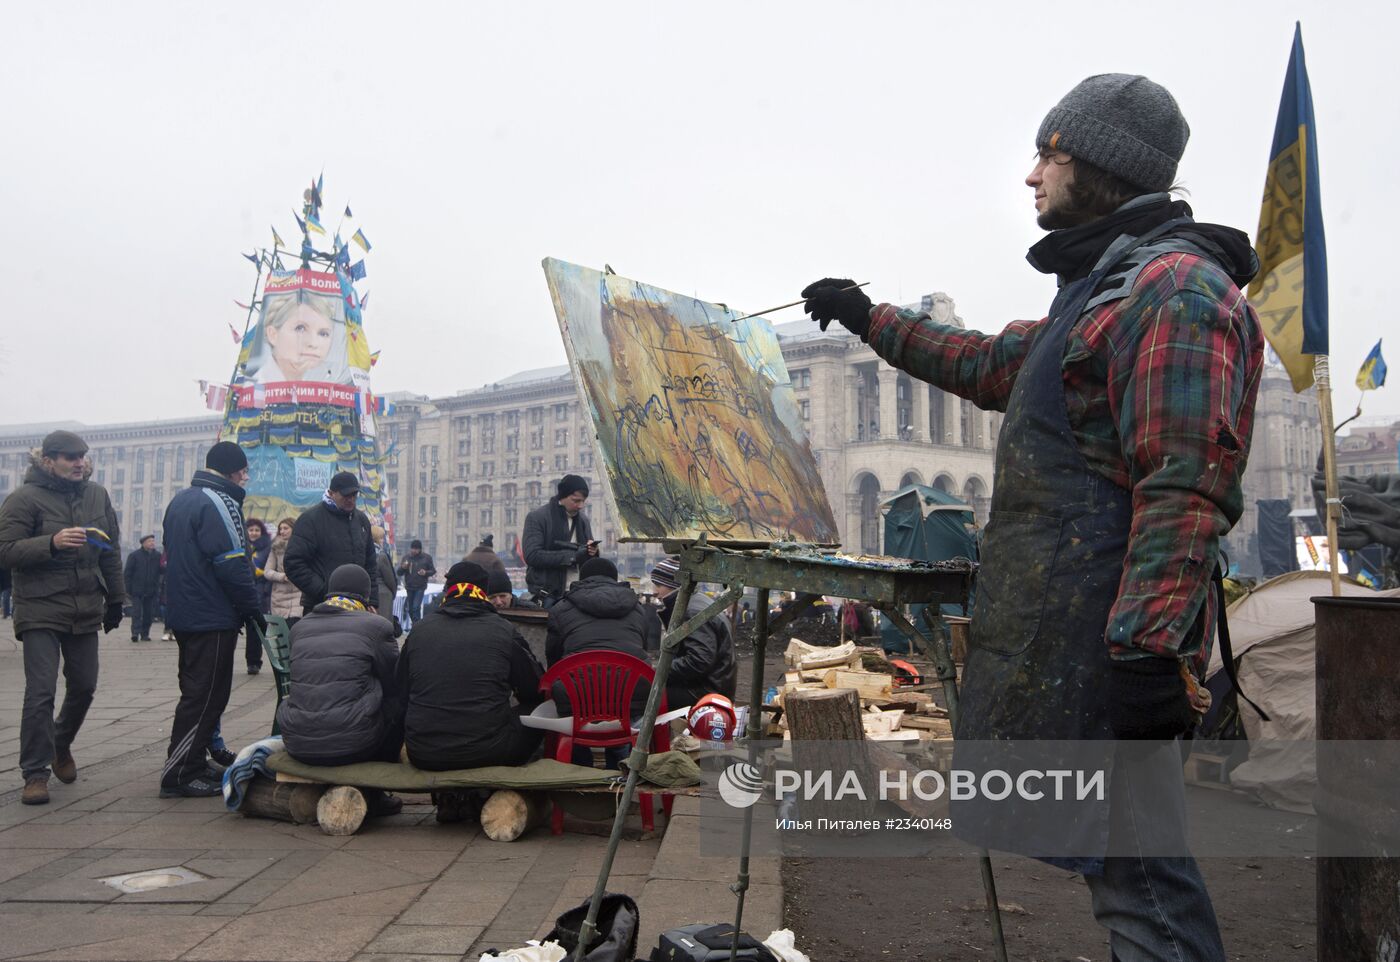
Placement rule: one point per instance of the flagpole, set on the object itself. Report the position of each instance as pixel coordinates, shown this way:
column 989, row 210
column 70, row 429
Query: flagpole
column 1323, row 377
column 247, row 322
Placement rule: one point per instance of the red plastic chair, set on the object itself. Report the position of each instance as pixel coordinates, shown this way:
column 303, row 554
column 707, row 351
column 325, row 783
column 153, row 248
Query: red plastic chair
column 599, row 686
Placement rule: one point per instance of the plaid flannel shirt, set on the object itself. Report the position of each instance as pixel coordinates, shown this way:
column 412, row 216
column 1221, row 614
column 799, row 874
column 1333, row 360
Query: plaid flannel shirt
column 1160, row 388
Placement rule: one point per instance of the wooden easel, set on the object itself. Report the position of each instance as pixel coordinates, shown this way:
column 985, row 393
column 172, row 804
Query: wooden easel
column 811, row 573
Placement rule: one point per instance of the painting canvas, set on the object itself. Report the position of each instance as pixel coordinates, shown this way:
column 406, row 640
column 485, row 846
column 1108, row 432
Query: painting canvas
column 697, row 423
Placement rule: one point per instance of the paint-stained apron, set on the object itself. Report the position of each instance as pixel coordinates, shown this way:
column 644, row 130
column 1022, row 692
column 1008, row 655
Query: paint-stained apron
column 1052, row 557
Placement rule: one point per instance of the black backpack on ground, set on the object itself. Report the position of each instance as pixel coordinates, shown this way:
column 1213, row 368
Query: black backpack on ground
column 617, row 929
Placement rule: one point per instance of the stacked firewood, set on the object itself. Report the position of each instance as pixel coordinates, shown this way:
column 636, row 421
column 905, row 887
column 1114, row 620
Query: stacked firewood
column 894, row 708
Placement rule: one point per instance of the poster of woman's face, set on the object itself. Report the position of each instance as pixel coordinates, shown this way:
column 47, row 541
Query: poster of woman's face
column 301, row 338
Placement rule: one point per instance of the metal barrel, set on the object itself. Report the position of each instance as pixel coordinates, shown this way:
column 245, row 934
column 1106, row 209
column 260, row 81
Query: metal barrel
column 1358, row 700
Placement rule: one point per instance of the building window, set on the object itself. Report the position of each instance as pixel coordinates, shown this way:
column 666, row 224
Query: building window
column 512, row 515
column 422, row 508
column 160, row 466
column 536, row 415
column 512, row 466
column 464, row 469
column 137, row 496
column 561, row 462
column 422, row 480
column 537, row 465
column 535, row 489
column 512, row 442
column 464, row 445
column 117, row 498
column 561, row 412
column 488, row 469
column 393, row 482
column 463, row 518
column 483, row 493
column 137, row 519
column 801, row 378
column 486, row 517
column 512, row 418
column 140, row 475
column 805, row 408
column 585, row 458
column 121, row 476
column 536, row 439
column 561, row 437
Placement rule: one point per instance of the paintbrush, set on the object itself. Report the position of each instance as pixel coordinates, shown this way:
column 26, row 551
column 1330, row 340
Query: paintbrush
column 745, row 317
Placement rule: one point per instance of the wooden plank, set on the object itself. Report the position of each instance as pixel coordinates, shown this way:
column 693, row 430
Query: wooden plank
column 867, row 684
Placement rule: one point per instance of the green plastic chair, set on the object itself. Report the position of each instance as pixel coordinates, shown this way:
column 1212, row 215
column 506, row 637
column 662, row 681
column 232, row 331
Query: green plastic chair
column 277, row 644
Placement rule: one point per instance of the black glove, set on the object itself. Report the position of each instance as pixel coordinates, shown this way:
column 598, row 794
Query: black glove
column 1147, row 699
column 112, row 617
column 398, row 627
column 827, row 302
column 256, row 619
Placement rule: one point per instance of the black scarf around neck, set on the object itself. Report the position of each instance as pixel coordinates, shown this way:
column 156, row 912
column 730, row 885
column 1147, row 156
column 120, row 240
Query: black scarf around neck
column 1071, row 252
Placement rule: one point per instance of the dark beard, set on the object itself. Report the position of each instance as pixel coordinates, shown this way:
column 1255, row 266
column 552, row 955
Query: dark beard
column 1058, row 218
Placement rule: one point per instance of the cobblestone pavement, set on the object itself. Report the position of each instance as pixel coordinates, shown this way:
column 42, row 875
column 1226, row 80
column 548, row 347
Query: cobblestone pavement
column 403, row 888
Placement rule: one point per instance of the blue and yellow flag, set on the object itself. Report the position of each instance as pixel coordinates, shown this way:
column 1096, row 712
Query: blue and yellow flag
column 359, row 238
column 277, row 240
column 1290, row 290
column 1372, row 373
column 312, row 223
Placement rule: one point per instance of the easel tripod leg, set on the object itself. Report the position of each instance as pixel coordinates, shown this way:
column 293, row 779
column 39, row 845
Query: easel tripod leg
column 752, row 735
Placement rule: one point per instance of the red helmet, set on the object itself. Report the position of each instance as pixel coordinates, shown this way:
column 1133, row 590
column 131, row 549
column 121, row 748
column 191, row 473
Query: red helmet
column 712, row 718
column 905, row 673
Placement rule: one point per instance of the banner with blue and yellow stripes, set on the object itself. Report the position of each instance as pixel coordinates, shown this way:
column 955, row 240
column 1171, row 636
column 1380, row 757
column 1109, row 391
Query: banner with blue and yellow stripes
column 1290, row 290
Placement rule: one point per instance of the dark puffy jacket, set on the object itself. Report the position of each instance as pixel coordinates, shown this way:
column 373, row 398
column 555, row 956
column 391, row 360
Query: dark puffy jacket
column 704, row 662
column 343, row 698
column 64, row 590
column 457, row 672
column 208, row 577
column 548, row 564
column 142, row 572
column 600, row 614
column 323, row 539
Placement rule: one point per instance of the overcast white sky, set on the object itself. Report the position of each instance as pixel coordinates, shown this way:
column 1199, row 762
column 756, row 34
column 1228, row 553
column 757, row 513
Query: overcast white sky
column 735, row 151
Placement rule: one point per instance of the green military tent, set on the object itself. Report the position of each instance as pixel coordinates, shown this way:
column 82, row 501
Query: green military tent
column 926, row 524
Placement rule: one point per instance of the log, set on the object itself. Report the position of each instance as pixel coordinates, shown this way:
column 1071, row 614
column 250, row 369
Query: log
column 828, row 736
column 341, row 810
column 285, row 801
column 509, row 814
column 870, row 685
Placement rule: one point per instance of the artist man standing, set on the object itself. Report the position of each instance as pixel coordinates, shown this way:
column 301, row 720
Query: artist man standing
column 1128, row 416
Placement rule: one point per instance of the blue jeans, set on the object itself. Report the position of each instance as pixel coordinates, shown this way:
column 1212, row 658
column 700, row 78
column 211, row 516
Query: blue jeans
column 1155, row 907
column 413, row 605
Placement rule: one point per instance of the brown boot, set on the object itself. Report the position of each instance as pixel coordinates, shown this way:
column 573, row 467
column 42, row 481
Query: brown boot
column 64, row 768
column 36, row 790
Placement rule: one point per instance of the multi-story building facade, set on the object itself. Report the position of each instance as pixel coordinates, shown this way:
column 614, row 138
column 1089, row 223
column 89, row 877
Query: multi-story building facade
column 1369, row 448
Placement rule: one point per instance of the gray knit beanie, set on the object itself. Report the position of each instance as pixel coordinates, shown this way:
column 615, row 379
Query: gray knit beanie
column 1123, row 123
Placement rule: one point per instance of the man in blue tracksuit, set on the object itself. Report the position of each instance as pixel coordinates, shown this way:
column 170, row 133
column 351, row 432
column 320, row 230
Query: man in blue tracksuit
column 210, row 595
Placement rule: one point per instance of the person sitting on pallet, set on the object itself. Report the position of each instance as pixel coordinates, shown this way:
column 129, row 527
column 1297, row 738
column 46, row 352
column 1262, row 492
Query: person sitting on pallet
column 600, row 613
column 344, row 706
column 457, row 673
column 704, row 662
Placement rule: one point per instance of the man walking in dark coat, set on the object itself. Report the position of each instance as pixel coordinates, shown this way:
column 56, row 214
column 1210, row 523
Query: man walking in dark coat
column 142, row 576
column 557, row 539
column 210, row 595
column 416, row 569
column 58, row 537
column 328, row 535
column 485, row 555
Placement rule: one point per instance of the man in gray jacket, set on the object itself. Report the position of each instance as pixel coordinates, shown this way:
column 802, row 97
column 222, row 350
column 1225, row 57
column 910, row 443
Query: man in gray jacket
column 59, row 536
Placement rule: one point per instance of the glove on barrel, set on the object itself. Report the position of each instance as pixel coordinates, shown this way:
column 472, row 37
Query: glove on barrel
column 827, row 301
column 1147, row 699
